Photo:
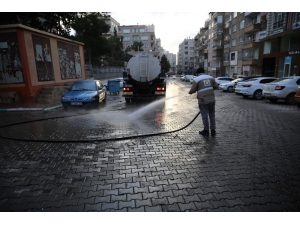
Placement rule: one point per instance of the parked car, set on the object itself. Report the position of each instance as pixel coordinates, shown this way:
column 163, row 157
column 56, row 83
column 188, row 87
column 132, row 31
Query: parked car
column 282, row 89
column 297, row 97
column 188, row 77
column 84, row 92
column 244, row 79
column 228, row 86
column 182, row 77
column 253, row 87
column 221, row 80
column 174, row 76
column 192, row 79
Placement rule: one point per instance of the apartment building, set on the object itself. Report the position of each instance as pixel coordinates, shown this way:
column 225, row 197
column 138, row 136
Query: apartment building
column 172, row 60
column 250, row 43
column 186, row 59
column 114, row 25
column 215, row 43
column 143, row 33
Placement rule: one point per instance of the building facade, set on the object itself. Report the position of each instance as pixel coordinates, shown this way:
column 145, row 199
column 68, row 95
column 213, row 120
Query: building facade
column 186, row 53
column 250, row 43
column 114, row 25
column 142, row 33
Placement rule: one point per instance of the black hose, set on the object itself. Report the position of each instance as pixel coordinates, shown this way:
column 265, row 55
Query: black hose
column 86, row 140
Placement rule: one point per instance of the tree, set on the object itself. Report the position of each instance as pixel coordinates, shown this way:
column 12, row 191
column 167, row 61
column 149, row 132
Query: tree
column 89, row 29
column 136, row 46
column 58, row 23
column 165, row 65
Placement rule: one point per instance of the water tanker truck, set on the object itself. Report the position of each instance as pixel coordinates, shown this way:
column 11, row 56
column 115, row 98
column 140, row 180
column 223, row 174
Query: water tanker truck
column 143, row 76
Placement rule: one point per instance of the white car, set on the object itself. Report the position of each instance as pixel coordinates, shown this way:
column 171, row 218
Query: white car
column 229, row 85
column 188, row 77
column 174, row 77
column 182, row 77
column 253, row 87
column 221, row 80
column 192, row 79
column 283, row 88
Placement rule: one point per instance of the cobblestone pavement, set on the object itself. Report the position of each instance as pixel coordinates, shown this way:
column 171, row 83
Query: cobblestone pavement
column 63, row 164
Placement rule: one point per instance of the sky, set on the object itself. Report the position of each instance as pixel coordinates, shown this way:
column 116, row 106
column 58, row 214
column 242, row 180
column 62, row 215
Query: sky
column 170, row 27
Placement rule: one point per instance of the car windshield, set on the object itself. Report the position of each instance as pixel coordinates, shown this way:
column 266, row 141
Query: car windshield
column 282, row 80
column 83, row 86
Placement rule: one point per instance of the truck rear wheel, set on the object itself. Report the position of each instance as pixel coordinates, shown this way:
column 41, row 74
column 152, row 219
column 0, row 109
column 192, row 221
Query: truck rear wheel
column 127, row 99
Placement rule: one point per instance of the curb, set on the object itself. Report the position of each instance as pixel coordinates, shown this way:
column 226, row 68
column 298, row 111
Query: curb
column 28, row 109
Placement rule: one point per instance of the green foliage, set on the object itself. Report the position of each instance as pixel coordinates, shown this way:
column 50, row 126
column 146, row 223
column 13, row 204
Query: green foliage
column 58, row 23
column 165, row 65
column 89, row 29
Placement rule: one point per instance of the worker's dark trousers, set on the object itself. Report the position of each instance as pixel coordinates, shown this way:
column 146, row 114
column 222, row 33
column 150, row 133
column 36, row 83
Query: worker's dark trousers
column 208, row 115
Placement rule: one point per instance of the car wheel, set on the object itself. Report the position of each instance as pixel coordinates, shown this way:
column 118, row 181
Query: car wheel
column 272, row 100
column 127, row 99
column 257, row 95
column 230, row 89
column 290, row 99
column 245, row 96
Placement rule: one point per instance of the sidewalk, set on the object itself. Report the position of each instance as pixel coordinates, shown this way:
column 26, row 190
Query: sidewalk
column 28, row 106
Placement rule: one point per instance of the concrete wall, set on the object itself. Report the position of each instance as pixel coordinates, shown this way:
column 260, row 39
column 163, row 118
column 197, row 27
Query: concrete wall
column 55, row 61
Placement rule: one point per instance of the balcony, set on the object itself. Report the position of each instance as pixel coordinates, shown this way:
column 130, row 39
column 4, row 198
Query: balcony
column 217, row 56
column 251, row 28
column 217, row 35
column 278, row 27
column 216, row 47
column 250, row 62
column 250, row 42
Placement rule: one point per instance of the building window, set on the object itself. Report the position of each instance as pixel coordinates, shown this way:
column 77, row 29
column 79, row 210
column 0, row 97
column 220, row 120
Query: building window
column 270, row 46
column 126, row 31
column 233, row 42
column 241, row 40
column 145, row 45
column 144, row 38
column 135, row 30
column 242, row 24
column 234, row 14
column 239, row 70
column 226, row 57
column 234, row 28
column 136, row 38
column 142, row 30
column 126, row 39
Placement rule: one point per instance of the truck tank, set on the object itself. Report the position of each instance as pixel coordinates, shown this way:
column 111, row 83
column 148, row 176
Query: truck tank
column 143, row 67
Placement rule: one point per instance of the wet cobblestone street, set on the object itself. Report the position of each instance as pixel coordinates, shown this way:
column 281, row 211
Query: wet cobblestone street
column 63, row 162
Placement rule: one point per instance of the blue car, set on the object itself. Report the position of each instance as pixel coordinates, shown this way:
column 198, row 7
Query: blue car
column 84, row 92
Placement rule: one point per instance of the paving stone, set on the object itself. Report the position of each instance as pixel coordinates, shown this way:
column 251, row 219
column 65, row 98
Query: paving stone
column 93, row 207
column 137, row 196
column 187, row 207
column 128, row 204
column 170, row 208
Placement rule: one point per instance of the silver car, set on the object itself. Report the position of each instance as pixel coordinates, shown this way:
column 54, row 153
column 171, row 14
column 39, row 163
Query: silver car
column 282, row 89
